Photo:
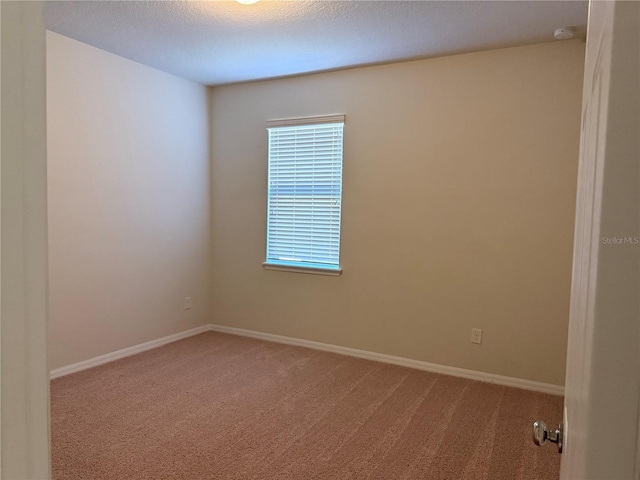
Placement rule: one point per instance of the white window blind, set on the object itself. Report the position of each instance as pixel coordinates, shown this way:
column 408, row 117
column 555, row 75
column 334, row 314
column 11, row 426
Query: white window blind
column 305, row 192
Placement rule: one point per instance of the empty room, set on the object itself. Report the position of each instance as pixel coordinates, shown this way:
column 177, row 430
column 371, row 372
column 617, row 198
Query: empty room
column 333, row 240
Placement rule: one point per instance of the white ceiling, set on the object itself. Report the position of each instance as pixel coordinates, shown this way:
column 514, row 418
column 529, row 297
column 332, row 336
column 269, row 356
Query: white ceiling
column 218, row 42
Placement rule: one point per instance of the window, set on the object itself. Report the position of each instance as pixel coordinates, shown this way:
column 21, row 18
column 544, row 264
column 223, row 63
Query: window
column 305, row 194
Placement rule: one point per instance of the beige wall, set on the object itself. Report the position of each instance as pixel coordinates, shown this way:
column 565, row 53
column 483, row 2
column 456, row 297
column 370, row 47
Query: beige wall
column 129, row 206
column 24, row 387
column 458, row 209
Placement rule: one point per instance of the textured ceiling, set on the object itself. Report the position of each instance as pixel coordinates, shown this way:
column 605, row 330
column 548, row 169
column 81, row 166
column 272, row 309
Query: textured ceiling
column 218, row 42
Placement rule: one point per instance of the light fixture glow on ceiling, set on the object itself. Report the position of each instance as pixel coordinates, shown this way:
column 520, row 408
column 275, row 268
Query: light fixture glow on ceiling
column 247, row 2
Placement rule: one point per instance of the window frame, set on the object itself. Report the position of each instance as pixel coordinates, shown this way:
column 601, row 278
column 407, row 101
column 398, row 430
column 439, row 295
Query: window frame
column 299, row 267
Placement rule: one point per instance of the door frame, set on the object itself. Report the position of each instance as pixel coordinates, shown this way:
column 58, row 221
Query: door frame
column 24, row 377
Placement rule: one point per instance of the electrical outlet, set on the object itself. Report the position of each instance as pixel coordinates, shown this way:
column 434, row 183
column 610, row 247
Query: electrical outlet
column 187, row 303
column 476, row 335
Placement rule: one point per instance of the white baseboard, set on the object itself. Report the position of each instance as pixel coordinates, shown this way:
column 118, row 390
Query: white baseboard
column 404, row 362
column 125, row 352
column 352, row 352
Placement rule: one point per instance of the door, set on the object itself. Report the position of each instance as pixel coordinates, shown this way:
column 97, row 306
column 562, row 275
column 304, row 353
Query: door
column 603, row 359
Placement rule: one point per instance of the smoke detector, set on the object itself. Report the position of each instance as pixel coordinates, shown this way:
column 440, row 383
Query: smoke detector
column 564, row 33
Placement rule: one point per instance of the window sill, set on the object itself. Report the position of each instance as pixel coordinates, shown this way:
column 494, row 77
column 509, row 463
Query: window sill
column 332, row 272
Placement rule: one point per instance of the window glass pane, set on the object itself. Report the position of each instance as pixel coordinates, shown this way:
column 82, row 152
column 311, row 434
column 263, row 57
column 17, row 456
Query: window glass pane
column 305, row 195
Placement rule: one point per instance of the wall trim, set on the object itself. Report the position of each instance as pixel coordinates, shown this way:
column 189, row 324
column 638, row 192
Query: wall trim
column 401, row 361
column 125, row 352
column 326, row 347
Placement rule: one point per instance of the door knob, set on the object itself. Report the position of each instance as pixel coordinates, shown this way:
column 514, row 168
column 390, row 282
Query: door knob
column 541, row 434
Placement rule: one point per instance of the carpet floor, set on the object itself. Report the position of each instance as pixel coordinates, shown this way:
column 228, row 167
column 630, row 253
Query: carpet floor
column 219, row 406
